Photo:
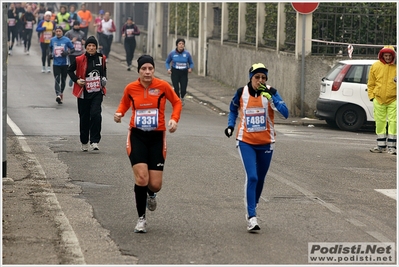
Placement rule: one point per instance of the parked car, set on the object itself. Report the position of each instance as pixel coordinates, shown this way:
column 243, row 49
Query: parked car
column 343, row 101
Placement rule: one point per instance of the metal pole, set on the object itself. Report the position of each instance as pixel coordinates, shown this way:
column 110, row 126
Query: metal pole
column 4, row 70
column 303, row 65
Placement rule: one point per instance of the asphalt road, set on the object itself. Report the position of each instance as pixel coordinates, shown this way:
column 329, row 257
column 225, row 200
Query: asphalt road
column 321, row 186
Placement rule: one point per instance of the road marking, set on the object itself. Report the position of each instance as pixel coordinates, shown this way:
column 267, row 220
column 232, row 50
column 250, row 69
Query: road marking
column 68, row 236
column 388, row 192
column 334, row 208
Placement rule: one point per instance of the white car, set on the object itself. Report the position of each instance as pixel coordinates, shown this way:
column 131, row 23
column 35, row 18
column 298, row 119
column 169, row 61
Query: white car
column 343, row 99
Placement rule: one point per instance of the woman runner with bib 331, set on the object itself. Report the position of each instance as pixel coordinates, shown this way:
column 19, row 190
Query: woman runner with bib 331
column 146, row 141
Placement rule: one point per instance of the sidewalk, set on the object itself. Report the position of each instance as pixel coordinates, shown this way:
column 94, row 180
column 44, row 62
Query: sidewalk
column 205, row 90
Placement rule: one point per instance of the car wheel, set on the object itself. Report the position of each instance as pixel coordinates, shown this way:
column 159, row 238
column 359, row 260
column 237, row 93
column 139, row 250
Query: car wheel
column 350, row 118
column 331, row 123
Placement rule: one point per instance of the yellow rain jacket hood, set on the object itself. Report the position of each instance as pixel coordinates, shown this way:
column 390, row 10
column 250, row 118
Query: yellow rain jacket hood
column 381, row 84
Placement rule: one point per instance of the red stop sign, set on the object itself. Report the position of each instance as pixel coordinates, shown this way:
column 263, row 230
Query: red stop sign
column 305, row 8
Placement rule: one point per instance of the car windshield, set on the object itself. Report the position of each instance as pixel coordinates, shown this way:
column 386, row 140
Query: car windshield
column 334, row 72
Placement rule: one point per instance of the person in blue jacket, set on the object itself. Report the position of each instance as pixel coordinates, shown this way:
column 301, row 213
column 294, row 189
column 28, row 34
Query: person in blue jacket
column 60, row 47
column 179, row 64
column 256, row 103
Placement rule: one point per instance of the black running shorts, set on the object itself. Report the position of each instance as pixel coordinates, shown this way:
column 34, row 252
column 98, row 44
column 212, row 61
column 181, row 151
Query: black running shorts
column 147, row 147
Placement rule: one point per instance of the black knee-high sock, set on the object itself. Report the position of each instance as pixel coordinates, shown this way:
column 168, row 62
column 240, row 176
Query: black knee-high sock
column 150, row 193
column 141, row 199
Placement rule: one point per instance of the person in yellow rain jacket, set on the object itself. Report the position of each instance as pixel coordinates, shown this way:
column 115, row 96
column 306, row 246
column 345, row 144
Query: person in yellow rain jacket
column 381, row 88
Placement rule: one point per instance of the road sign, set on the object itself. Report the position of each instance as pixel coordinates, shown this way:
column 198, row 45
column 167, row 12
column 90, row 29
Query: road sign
column 305, row 8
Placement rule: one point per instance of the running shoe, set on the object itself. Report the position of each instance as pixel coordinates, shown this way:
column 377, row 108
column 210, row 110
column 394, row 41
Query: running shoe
column 252, row 225
column 43, row 69
column 10, row 52
column 140, row 226
column 378, row 149
column 152, row 202
column 27, row 52
column 70, row 83
column 58, row 99
column 94, row 146
column 85, row 147
column 391, row 150
column 48, row 69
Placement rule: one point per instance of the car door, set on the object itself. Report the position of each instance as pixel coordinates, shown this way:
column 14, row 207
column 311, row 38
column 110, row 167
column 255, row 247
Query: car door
column 364, row 93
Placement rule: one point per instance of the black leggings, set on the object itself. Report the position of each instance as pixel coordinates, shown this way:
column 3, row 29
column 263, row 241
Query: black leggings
column 90, row 118
column 27, row 38
column 106, row 42
column 45, row 54
column 12, row 35
column 130, row 46
column 180, row 80
column 60, row 75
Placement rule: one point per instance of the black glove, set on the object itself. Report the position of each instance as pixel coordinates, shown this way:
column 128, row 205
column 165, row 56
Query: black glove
column 64, row 53
column 50, row 55
column 229, row 131
column 371, row 100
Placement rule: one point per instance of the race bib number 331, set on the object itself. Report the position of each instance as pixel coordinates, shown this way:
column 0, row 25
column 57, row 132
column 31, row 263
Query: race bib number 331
column 146, row 119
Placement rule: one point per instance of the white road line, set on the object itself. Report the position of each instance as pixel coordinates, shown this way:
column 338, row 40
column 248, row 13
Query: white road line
column 388, row 192
column 334, row 208
column 69, row 240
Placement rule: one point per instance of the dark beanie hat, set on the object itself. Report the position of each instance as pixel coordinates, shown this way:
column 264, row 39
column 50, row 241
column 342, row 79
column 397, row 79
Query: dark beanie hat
column 76, row 23
column 180, row 40
column 144, row 59
column 91, row 40
column 258, row 68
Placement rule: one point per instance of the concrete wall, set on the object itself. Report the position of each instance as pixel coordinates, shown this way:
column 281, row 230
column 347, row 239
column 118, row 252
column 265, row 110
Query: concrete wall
column 230, row 64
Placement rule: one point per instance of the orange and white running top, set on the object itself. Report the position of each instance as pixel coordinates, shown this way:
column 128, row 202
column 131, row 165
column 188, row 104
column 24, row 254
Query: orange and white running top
column 256, row 125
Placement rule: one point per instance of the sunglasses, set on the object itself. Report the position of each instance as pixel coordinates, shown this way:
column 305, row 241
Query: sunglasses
column 257, row 77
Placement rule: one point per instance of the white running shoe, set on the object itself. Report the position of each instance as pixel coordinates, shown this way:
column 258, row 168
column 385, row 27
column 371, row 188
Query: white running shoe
column 378, row 149
column 48, row 69
column 85, row 147
column 94, row 146
column 140, row 226
column 43, row 69
column 152, row 202
column 10, row 52
column 391, row 150
column 252, row 225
